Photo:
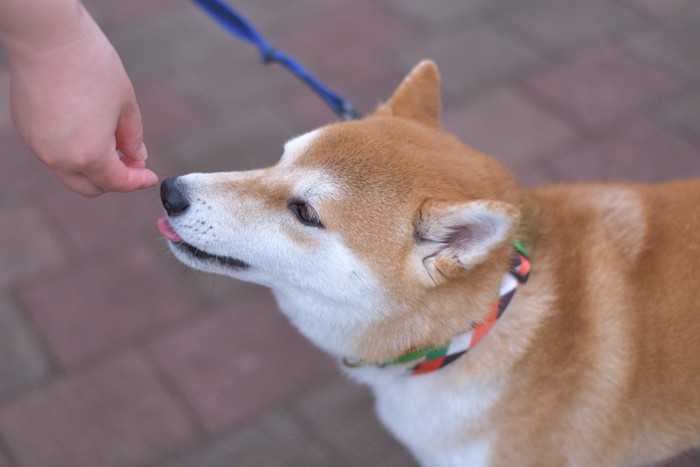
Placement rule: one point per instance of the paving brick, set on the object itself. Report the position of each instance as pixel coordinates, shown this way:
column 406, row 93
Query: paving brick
column 226, row 81
column 506, row 124
column 310, row 112
column 342, row 413
column 29, row 247
column 559, row 24
column 250, row 445
column 107, row 302
column 346, row 38
column 641, row 152
column 470, row 59
column 22, row 359
column 114, row 415
column 251, row 141
column 234, row 364
column 166, row 111
column 684, row 113
column 170, row 41
column 273, row 20
column 599, row 86
column 674, row 45
column 695, row 455
column 23, row 176
column 449, row 13
column 665, row 8
column 512, row 129
column 5, row 118
column 107, row 223
column 682, row 460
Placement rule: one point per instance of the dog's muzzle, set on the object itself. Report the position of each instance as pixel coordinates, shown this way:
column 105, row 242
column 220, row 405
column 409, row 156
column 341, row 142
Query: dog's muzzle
column 176, row 203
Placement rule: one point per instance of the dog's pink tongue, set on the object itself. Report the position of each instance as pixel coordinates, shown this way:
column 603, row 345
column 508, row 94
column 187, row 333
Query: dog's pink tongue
column 167, row 230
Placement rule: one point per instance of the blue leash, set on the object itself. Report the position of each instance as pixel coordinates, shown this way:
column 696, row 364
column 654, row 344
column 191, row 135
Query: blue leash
column 241, row 28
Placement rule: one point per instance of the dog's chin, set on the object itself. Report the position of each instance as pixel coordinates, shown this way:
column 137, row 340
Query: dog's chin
column 200, row 259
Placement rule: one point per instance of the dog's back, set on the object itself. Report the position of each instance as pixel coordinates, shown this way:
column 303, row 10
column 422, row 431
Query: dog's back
column 667, row 302
column 617, row 366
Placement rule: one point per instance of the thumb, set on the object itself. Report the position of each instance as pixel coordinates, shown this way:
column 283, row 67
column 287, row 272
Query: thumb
column 118, row 176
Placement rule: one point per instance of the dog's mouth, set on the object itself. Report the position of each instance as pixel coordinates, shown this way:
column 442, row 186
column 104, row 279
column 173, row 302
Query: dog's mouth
column 169, row 233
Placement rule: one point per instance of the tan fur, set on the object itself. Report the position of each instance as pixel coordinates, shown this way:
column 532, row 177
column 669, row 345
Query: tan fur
column 618, row 354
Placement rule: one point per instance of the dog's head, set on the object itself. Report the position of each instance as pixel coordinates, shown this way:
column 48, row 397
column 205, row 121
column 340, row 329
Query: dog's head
column 369, row 216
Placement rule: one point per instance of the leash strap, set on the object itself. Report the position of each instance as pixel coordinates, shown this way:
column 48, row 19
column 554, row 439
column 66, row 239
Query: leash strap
column 237, row 25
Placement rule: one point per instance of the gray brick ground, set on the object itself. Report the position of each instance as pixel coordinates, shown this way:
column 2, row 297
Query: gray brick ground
column 640, row 152
column 24, row 177
column 342, row 414
column 114, row 415
column 276, row 439
column 250, row 142
column 674, row 45
column 5, row 119
column 470, row 60
column 556, row 25
column 30, row 247
column 91, row 229
column 172, row 40
column 601, row 86
column 665, row 9
column 509, row 125
column 23, row 362
column 111, row 301
column 234, row 364
column 684, row 113
column 452, row 14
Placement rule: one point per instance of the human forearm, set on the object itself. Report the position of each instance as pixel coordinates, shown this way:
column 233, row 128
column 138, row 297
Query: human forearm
column 28, row 26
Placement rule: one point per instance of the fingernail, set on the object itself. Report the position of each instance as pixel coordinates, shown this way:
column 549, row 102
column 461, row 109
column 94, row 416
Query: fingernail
column 155, row 178
column 142, row 152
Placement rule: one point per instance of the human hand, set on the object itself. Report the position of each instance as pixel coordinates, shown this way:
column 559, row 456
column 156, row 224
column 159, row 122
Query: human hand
column 75, row 107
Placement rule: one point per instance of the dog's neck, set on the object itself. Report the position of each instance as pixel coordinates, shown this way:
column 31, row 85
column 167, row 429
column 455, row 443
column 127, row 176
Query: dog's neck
column 443, row 314
column 426, row 359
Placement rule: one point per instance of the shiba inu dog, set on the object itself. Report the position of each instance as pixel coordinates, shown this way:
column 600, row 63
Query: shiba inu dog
column 495, row 325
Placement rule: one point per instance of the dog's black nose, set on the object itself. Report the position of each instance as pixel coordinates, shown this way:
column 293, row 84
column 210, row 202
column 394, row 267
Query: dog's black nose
column 174, row 200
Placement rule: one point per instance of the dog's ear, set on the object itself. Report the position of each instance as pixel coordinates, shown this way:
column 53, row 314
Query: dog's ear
column 417, row 97
column 452, row 237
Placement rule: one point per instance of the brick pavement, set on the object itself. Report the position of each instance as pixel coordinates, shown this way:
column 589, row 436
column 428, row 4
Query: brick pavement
column 113, row 354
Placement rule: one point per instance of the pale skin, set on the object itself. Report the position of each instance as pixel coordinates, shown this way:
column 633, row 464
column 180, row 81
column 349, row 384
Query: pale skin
column 71, row 99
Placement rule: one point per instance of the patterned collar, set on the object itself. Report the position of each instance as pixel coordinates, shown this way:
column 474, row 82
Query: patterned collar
column 428, row 359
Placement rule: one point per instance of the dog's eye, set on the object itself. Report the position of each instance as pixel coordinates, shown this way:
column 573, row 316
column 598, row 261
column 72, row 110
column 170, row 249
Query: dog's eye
column 305, row 213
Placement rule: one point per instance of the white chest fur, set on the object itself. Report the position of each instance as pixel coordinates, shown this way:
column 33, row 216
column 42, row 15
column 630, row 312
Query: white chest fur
column 438, row 416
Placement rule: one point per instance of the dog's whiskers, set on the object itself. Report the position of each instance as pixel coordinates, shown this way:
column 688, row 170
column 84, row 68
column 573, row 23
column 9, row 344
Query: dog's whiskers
column 211, row 290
